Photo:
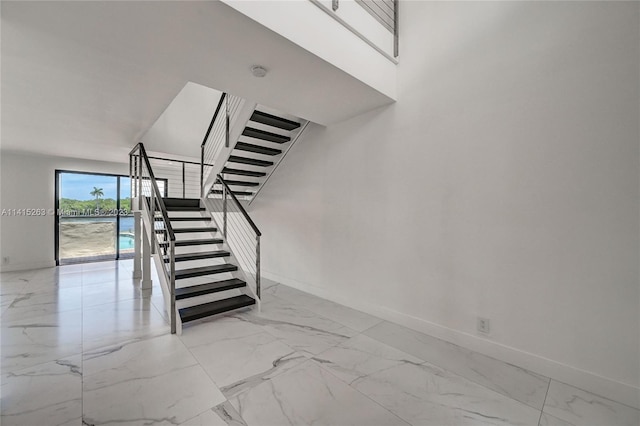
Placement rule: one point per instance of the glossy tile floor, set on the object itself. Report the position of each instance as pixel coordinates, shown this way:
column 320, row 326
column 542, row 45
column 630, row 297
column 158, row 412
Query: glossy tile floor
column 81, row 344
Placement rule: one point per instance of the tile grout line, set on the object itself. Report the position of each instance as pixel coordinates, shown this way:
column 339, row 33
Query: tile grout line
column 320, row 315
column 226, row 399
column 427, row 361
column 472, row 380
column 302, row 307
column 374, row 325
column 599, row 396
column 205, row 372
column 544, row 402
column 358, row 391
column 401, row 350
column 323, row 368
column 199, row 414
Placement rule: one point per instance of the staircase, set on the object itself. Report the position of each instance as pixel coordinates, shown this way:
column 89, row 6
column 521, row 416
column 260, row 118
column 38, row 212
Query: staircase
column 250, row 159
column 207, row 250
column 206, row 274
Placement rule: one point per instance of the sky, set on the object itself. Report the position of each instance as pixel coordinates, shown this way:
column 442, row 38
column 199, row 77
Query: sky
column 79, row 186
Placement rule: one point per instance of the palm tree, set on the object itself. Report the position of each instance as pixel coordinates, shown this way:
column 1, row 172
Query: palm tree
column 97, row 192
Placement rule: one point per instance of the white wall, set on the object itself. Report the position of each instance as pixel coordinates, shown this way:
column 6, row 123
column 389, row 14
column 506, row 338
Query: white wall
column 306, row 25
column 503, row 183
column 28, row 181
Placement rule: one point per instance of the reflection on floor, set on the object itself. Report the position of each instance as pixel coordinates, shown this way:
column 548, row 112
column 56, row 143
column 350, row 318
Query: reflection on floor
column 81, row 344
column 124, row 254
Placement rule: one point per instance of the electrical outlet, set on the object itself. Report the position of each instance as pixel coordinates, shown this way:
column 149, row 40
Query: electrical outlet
column 483, row 325
column 5, row 260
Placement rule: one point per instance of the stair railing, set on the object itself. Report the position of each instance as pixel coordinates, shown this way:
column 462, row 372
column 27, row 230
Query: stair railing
column 240, row 232
column 177, row 178
column 145, row 189
column 217, row 136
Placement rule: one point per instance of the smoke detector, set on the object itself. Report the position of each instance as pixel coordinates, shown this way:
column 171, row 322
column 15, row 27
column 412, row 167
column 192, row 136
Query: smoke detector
column 258, row 71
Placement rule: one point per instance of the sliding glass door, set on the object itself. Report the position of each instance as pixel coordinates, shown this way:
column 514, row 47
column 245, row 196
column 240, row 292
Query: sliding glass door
column 89, row 207
column 87, row 217
column 94, row 220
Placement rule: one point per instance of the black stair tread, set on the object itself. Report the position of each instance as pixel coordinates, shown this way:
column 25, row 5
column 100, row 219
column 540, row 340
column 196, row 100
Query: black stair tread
column 188, row 230
column 249, row 147
column 274, row 121
column 184, row 219
column 205, row 270
column 182, row 243
column 212, row 308
column 241, row 183
column 251, row 161
column 241, row 193
column 264, row 135
column 185, row 202
column 201, row 229
column 183, row 257
column 184, row 209
column 208, row 288
column 241, row 172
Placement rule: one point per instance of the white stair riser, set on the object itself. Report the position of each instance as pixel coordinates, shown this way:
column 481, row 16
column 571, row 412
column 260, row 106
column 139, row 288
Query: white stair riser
column 212, row 297
column 186, row 282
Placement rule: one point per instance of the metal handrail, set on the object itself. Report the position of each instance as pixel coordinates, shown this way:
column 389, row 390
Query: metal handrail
column 213, row 120
column 396, row 31
column 151, row 157
column 182, row 178
column 242, row 210
column 156, row 190
column 206, row 139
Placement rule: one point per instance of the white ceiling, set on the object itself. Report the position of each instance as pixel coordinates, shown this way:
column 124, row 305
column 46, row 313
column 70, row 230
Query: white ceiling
column 88, row 79
column 184, row 123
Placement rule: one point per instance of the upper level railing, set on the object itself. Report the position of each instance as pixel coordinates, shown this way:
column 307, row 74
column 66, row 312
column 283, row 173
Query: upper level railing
column 382, row 10
column 181, row 178
column 385, row 12
column 350, row 13
column 162, row 239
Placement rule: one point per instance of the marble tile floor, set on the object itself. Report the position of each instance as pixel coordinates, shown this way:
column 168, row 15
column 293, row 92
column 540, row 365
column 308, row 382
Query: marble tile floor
column 83, row 345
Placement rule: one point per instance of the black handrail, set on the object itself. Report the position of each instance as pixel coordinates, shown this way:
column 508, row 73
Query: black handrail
column 213, row 120
column 242, row 210
column 156, row 190
column 151, row 157
column 396, row 31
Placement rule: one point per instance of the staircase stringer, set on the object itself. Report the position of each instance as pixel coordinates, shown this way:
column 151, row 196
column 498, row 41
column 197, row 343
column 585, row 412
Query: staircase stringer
column 294, row 138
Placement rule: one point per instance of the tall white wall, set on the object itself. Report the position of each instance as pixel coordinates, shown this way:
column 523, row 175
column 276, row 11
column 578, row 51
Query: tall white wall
column 28, row 182
column 504, row 183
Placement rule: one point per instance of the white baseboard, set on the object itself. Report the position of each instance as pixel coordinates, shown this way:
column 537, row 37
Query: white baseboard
column 27, row 266
column 621, row 392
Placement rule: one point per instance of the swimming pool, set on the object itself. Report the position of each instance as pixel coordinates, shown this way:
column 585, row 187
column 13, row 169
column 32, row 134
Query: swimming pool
column 125, row 242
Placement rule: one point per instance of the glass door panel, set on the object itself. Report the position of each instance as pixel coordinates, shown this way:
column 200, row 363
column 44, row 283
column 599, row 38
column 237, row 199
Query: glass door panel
column 87, row 217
